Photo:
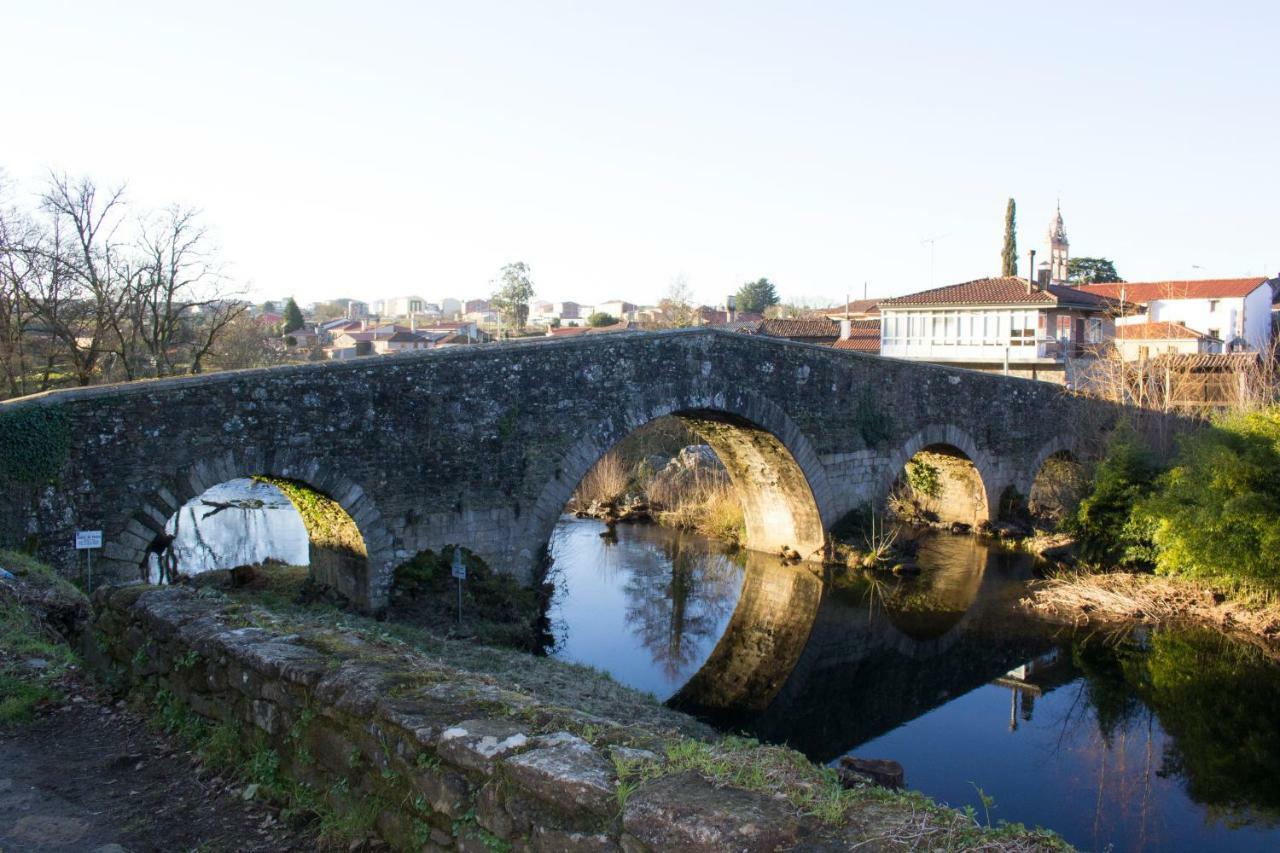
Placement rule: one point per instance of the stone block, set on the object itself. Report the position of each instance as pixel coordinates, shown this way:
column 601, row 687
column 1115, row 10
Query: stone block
column 568, row 773
column 479, row 744
column 685, row 812
column 445, row 790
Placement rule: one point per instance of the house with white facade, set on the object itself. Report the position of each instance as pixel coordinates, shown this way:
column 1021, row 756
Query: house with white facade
column 1236, row 311
column 1007, row 324
column 1142, row 340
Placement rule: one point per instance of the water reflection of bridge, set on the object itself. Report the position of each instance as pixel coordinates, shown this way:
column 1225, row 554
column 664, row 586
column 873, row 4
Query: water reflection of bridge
column 826, row 669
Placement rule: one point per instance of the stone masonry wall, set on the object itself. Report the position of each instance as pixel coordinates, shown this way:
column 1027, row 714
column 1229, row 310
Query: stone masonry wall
column 451, row 760
column 481, row 446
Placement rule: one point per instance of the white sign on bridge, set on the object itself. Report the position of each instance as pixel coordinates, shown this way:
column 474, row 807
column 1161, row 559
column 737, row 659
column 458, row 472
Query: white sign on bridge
column 88, row 539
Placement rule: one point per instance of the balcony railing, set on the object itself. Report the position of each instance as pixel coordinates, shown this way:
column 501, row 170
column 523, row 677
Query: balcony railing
column 1020, row 349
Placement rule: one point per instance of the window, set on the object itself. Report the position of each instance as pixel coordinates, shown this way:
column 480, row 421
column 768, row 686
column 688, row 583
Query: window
column 1094, row 335
column 1213, row 306
column 1213, row 333
column 1023, row 330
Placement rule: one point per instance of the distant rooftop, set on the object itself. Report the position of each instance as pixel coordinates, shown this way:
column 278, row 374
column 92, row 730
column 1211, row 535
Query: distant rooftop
column 1150, row 291
column 1003, row 290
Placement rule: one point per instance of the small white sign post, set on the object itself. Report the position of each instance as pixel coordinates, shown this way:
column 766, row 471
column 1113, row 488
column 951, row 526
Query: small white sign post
column 459, row 572
column 88, row 541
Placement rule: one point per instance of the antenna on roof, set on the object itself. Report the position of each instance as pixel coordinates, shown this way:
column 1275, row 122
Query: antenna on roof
column 932, row 241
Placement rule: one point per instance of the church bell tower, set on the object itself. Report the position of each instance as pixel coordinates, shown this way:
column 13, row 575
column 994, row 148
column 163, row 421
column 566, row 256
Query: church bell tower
column 1059, row 249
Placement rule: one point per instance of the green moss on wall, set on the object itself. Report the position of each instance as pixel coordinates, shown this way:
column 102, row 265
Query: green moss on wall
column 34, row 444
column 328, row 524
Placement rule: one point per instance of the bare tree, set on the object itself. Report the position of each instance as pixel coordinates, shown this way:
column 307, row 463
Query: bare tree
column 677, row 306
column 77, row 293
column 179, row 303
column 89, row 292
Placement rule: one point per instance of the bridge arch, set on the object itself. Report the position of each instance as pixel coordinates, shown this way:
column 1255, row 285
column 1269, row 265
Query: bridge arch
column 947, row 437
column 1038, row 492
column 774, row 470
column 355, row 570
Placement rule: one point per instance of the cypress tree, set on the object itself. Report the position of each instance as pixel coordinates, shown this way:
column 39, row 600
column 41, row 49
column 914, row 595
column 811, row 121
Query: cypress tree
column 292, row 317
column 1009, row 257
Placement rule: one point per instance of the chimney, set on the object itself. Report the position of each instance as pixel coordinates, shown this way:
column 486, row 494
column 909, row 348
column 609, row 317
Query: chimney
column 846, row 329
column 1044, row 275
column 1031, row 271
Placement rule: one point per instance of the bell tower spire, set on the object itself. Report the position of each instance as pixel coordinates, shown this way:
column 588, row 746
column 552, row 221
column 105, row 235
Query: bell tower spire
column 1059, row 249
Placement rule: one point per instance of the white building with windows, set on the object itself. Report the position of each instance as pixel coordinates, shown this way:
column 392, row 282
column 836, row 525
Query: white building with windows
column 1236, row 311
column 1007, row 324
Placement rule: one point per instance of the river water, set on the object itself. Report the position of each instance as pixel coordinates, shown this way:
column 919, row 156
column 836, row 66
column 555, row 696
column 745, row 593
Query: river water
column 1141, row 740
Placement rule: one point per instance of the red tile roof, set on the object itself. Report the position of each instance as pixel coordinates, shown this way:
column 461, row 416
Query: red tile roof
column 856, row 307
column 1149, row 291
column 1006, row 290
column 1157, row 332
column 569, row 331
column 864, row 336
column 821, row 328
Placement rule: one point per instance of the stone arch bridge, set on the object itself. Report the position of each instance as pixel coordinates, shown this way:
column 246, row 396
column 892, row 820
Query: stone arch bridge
column 482, row 446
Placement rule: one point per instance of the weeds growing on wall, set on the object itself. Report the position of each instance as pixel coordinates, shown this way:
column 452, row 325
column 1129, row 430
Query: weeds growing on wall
column 33, row 656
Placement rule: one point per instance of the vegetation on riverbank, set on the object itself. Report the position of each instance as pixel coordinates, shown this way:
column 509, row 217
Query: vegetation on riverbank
column 1102, row 598
column 664, row 473
column 35, row 608
column 1207, row 525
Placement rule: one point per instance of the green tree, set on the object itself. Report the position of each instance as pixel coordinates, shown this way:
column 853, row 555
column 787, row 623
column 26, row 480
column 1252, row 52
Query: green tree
column 268, row 307
column 1104, row 521
column 1216, row 513
column 600, row 318
column 1009, row 255
column 511, row 297
column 292, row 317
column 755, row 296
column 1092, row 271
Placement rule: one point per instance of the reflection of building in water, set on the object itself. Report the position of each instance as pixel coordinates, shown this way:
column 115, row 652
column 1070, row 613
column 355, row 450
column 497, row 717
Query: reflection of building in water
column 1034, row 678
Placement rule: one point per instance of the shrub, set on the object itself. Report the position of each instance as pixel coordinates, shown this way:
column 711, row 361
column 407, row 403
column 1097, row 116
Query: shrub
column 1103, row 522
column 1216, row 513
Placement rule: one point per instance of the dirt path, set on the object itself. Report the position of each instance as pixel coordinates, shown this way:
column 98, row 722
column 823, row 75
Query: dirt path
column 88, row 776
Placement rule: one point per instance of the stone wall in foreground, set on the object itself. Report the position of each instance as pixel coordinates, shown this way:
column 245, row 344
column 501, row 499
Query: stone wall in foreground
column 446, row 759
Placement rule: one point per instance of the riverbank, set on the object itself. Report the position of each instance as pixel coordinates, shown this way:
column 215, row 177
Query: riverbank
column 426, row 755
column 1082, row 598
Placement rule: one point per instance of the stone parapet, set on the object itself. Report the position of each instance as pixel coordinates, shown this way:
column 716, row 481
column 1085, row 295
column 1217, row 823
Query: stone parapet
column 449, row 759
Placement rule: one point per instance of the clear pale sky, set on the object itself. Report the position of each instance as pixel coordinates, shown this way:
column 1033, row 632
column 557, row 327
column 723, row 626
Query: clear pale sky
column 377, row 148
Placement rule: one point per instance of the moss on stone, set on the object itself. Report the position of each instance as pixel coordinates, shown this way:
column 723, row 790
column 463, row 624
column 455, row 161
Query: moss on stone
column 35, row 442
column 328, row 524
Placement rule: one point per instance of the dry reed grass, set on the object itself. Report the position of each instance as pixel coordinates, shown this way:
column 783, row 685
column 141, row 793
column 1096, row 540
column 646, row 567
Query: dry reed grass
column 604, row 484
column 1088, row 598
column 702, row 501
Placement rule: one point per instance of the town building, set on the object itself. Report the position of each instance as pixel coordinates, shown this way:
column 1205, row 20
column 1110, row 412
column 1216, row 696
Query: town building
column 1005, row 324
column 402, row 306
column 1142, row 340
column 1236, row 311
column 619, row 308
column 567, row 311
